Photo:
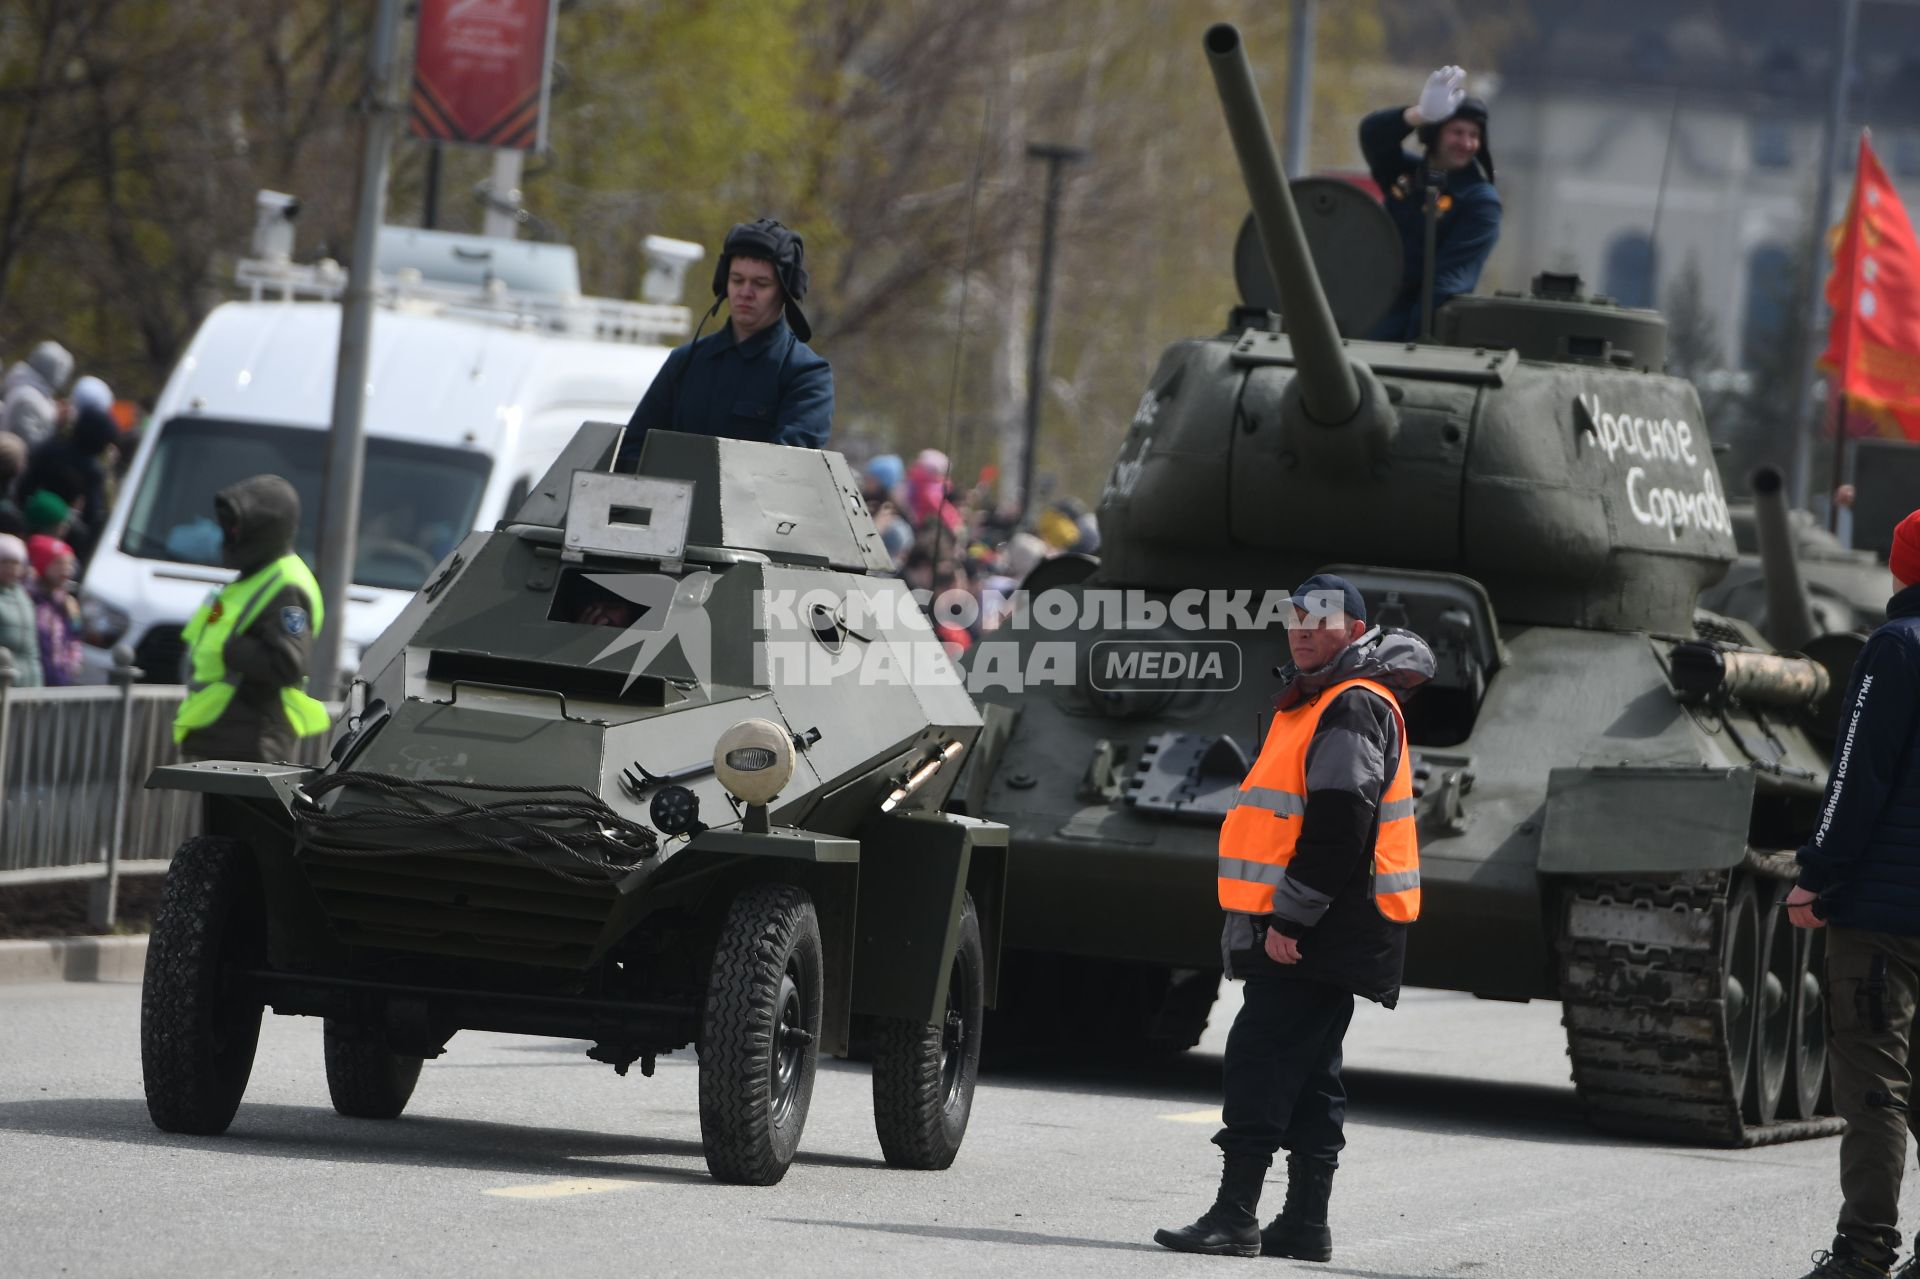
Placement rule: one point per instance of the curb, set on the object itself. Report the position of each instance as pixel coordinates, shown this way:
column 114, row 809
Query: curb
column 73, row 959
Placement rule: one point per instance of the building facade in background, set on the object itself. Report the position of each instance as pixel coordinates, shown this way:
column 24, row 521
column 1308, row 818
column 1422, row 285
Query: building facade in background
column 1729, row 101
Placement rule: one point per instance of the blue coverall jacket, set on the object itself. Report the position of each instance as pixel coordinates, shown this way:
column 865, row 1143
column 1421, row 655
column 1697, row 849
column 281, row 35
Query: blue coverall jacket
column 1469, row 222
column 771, row 387
column 1864, row 857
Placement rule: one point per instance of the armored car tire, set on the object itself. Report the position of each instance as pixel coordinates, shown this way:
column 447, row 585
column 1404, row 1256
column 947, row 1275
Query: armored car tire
column 366, row 1079
column 199, row 1015
column 759, row 1034
column 923, row 1074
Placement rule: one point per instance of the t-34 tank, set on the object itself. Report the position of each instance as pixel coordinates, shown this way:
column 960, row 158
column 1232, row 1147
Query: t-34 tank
column 658, row 763
column 1610, row 782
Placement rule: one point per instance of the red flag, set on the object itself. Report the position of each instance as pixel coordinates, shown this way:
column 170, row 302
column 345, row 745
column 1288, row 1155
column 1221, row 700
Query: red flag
column 1873, row 344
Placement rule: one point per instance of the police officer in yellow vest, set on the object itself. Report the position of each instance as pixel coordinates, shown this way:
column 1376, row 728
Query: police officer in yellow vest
column 248, row 645
column 1319, row 876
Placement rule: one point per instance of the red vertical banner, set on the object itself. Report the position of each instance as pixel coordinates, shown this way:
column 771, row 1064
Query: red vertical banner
column 1873, row 345
column 481, row 69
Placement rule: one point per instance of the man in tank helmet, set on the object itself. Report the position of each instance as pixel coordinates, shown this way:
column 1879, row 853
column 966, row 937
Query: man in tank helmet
column 1455, row 163
column 1860, row 878
column 755, row 379
column 1319, row 878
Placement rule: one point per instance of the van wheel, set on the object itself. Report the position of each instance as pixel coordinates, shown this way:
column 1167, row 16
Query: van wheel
column 199, row 1012
column 364, row 1077
column 759, row 1037
column 923, row 1075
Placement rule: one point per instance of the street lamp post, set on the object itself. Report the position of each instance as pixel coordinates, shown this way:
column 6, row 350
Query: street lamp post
column 340, row 494
column 1057, row 156
column 1300, row 85
column 1806, row 416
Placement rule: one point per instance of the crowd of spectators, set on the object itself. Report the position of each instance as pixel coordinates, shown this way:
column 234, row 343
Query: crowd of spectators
column 61, row 449
column 947, row 540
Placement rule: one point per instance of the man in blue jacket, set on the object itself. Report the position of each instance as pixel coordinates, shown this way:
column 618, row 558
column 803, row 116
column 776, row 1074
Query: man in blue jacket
column 1860, row 875
column 756, row 379
column 1453, row 130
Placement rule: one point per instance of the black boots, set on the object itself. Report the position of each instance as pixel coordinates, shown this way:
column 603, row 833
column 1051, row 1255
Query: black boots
column 1845, row 1262
column 1300, row 1231
column 1229, row 1228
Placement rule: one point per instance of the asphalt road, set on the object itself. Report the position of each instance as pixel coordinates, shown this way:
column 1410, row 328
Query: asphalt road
column 1466, row 1156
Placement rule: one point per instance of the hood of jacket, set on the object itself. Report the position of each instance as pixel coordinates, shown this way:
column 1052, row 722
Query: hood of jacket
column 1398, row 659
column 258, row 517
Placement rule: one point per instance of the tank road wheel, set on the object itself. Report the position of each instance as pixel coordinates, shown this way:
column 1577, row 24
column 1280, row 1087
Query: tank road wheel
column 1773, row 1010
column 1740, row 980
column 1664, row 991
column 923, row 1074
column 365, row 1078
column 199, row 1018
column 759, row 1035
column 1807, row 1081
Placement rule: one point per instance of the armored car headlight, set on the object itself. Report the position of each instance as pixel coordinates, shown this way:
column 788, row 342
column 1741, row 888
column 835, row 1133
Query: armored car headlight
column 754, row 760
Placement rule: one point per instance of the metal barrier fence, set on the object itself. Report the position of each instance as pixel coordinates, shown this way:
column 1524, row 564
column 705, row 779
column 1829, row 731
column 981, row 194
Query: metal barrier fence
column 73, row 772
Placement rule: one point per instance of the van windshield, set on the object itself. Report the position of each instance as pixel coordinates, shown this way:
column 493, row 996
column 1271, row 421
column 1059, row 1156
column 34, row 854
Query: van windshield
column 416, row 501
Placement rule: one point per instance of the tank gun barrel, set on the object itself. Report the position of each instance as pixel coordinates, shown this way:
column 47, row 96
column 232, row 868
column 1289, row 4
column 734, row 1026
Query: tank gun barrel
column 1330, row 389
column 1789, row 611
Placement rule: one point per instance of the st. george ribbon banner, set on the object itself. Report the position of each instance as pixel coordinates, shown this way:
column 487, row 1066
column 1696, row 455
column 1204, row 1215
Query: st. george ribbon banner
column 481, row 71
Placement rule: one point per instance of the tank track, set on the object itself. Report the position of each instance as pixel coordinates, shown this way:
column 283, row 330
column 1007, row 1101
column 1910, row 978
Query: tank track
column 1642, row 1002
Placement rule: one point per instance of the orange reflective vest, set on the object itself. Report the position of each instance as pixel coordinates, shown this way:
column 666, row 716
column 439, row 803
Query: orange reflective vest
column 1263, row 827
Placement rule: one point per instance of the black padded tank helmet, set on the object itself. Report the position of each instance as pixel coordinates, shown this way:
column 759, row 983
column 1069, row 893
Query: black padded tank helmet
column 772, row 242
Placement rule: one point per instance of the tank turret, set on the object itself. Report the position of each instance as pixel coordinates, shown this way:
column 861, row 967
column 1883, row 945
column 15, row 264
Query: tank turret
column 1575, row 484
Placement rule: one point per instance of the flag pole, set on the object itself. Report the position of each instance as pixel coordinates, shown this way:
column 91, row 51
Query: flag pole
column 1849, row 286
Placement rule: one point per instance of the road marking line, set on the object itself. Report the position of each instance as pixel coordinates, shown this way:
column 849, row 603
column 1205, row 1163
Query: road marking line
column 561, row 1189
column 1196, row 1116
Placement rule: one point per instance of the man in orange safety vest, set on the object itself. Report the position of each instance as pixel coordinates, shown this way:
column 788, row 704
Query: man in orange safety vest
column 1319, row 877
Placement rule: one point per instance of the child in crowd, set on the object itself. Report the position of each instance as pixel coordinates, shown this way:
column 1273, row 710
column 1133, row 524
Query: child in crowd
column 17, row 632
column 56, row 612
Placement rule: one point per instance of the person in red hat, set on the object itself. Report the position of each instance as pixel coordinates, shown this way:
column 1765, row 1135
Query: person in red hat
column 1860, row 879
column 56, row 613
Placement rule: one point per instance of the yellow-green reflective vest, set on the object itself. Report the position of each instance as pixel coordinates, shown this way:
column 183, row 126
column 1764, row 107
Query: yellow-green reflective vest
column 210, row 687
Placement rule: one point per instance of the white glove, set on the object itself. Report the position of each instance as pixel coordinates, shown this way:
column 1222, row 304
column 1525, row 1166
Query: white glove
column 1441, row 98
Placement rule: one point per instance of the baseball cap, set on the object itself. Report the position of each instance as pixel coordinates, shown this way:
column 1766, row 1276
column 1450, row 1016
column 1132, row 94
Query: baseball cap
column 1323, row 593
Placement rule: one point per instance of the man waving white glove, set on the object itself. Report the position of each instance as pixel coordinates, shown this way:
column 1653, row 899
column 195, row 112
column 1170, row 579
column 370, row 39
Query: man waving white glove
column 1441, row 98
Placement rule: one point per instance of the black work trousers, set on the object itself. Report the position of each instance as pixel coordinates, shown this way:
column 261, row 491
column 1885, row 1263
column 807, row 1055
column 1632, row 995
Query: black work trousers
column 1282, row 1069
column 1873, row 989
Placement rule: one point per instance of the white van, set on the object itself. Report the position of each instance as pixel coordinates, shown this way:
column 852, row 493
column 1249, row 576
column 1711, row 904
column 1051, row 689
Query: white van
column 479, row 373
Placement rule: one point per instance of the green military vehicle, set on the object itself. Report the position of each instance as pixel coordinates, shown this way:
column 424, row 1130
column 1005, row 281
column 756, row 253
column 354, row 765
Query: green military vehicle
column 659, row 762
column 1610, row 780
column 1847, row 588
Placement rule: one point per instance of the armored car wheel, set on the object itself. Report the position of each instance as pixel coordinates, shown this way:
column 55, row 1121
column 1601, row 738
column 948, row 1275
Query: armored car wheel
column 365, row 1078
column 199, row 1017
column 923, row 1074
column 759, row 1034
